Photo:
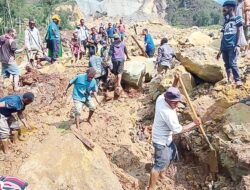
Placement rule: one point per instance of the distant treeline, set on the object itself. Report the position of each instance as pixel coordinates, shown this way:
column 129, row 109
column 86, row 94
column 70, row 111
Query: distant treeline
column 193, row 12
column 14, row 13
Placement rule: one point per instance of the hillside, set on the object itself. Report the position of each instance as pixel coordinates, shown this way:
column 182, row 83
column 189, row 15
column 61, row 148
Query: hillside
column 193, row 12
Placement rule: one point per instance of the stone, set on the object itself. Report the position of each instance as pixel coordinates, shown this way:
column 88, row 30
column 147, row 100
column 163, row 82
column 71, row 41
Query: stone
column 202, row 63
column 237, row 125
column 198, row 38
column 150, row 69
column 235, row 157
column 63, row 162
column 133, row 74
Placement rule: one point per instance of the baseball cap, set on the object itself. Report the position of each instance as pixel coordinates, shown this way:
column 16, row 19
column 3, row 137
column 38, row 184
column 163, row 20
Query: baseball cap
column 173, row 94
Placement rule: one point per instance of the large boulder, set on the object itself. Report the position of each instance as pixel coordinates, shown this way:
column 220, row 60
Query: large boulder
column 133, row 74
column 160, row 83
column 198, row 38
column 202, row 63
column 63, row 162
column 235, row 151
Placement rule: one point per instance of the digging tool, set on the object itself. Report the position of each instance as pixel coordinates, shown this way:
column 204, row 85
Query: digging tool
column 212, row 157
column 83, row 139
column 142, row 50
column 135, row 29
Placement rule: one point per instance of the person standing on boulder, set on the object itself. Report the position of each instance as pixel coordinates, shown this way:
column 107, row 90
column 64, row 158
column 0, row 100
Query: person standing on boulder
column 117, row 52
column 166, row 124
column 165, row 57
column 149, row 43
column 230, row 47
column 8, row 106
column 84, row 87
column 8, row 49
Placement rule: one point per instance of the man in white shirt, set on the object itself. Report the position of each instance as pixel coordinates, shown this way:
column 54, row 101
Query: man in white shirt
column 166, row 124
column 82, row 34
column 33, row 44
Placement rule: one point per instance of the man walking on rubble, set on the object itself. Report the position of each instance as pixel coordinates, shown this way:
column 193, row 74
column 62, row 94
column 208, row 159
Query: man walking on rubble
column 117, row 53
column 84, row 87
column 149, row 43
column 230, row 47
column 8, row 49
column 54, row 38
column 8, row 123
column 33, row 44
column 82, row 34
column 166, row 124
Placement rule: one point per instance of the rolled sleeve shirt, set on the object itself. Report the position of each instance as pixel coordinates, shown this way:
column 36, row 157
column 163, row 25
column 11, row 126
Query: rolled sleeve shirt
column 166, row 123
column 83, row 87
column 13, row 104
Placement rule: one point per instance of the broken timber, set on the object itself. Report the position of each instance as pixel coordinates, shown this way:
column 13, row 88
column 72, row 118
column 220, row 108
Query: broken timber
column 83, row 139
column 142, row 50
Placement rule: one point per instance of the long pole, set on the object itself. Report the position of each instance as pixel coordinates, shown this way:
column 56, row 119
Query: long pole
column 7, row 2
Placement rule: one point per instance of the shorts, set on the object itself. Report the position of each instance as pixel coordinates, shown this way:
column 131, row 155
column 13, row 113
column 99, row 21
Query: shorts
column 4, row 128
column 118, row 67
column 164, row 155
column 150, row 53
column 78, row 106
column 10, row 69
column 35, row 54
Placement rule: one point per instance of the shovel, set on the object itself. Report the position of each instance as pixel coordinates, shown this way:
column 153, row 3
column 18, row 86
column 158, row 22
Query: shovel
column 212, row 156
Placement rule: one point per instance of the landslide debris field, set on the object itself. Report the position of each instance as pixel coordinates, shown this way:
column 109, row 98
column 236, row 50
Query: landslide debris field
column 51, row 157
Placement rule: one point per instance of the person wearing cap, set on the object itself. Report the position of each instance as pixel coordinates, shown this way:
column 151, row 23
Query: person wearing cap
column 165, row 125
column 230, row 42
column 9, row 105
column 33, row 44
column 85, row 87
column 54, row 38
column 117, row 52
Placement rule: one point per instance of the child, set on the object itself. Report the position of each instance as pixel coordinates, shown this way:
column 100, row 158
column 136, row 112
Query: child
column 76, row 49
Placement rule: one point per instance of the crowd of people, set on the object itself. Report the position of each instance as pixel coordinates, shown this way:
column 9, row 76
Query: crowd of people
column 108, row 59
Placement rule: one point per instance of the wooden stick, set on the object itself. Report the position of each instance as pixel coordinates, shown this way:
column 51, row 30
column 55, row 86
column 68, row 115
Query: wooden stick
column 142, row 50
column 194, row 112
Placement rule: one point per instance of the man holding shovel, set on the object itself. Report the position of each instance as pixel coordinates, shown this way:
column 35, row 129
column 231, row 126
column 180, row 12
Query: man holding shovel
column 166, row 124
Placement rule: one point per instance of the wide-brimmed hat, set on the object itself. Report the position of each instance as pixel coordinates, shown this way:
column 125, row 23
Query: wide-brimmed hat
column 173, row 94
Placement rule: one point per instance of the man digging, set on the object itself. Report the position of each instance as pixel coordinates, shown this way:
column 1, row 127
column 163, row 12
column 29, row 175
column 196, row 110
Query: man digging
column 166, row 124
column 84, row 87
column 8, row 106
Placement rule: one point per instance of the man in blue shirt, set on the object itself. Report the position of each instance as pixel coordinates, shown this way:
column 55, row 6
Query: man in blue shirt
column 84, row 86
column 149, row 43
column 53, row 36
column 8, row 106
column 230, row 47
column 110, row 31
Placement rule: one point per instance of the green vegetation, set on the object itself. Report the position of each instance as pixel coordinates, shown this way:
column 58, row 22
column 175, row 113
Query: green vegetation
column 19, row 11
column 193, row 12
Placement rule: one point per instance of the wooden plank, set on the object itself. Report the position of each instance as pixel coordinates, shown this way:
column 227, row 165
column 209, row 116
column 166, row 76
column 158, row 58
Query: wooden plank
column 142, row 49
column 83, row 139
